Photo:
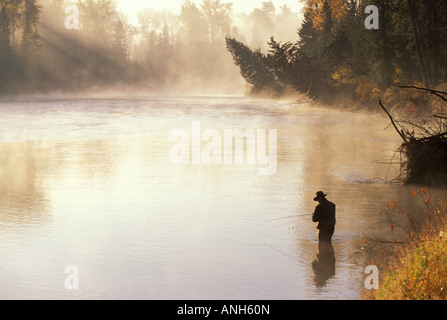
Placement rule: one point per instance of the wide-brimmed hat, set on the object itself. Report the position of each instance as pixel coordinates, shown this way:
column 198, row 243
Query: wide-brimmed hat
column 319, row 195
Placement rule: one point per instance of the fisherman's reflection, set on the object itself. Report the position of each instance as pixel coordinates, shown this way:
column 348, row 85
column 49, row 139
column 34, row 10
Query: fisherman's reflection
column 324, row 264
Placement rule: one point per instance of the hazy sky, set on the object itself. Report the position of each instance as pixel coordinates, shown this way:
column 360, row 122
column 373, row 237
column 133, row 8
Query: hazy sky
column 131, row 7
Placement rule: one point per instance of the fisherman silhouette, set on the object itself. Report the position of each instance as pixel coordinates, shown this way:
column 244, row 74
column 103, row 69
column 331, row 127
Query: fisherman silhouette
column 324, row 214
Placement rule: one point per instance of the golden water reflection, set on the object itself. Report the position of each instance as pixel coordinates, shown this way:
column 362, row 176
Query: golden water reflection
column 108, row 200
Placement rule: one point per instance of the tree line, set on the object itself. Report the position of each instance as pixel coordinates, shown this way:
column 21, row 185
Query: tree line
column 162, row 51
column 335, row 55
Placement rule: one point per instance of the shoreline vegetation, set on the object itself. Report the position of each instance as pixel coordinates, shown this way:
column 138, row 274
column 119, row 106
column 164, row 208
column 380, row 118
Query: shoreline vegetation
column 413, row 263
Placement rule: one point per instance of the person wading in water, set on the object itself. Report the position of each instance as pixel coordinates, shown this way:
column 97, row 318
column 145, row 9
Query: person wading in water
column 325, row 216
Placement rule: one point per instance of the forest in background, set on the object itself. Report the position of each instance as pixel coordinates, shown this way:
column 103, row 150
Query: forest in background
column 324, row 52
column 336, row 59
column 164, row 51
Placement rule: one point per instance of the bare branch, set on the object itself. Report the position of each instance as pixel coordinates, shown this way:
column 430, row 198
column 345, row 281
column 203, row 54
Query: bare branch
column 435, row 92
column 401, row 134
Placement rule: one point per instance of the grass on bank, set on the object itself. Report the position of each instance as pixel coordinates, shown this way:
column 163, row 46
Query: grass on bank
column 419, row 271
column 420, row 275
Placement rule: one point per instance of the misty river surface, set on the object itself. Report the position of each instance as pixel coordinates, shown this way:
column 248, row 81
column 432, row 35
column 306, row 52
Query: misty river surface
column 89, row 183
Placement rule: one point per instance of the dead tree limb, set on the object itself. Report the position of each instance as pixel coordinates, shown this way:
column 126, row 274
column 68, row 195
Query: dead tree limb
column 435, row 92
column 393, row 122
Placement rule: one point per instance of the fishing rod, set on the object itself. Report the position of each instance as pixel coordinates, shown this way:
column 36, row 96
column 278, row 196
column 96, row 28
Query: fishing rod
column 290, row 217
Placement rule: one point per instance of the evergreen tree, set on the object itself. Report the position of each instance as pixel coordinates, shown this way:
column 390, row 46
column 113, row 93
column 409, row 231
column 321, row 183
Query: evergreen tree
column 281, row 60
column 328, row 22
column 30, row 36
column 308, row 37
column 5, row 50
column 120, row 45
column 5, row 32
column 253, row 67
column 11, row 65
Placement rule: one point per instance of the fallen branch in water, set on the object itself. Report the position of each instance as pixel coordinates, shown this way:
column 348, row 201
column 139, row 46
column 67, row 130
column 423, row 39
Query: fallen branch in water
column 424, row 148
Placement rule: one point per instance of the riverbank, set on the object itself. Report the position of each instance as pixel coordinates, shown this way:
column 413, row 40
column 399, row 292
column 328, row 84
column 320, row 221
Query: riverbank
column 418, row 116
column 418, row 271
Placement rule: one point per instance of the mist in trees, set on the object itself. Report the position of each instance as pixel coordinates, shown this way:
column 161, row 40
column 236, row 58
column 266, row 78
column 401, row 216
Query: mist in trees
column 18, row 60
column 162, row 51
column 333, row 54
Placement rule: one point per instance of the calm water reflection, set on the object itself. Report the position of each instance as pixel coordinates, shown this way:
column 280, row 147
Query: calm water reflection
column 89, row 183
column 324, row 264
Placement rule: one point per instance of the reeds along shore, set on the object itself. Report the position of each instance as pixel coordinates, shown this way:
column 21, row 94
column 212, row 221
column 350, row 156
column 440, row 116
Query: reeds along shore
column 423, row 153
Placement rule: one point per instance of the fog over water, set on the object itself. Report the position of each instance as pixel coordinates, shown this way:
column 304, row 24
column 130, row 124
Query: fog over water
column 90, row 183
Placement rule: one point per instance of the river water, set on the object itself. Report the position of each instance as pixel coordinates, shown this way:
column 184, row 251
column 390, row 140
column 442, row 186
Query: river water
column 90, row 184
